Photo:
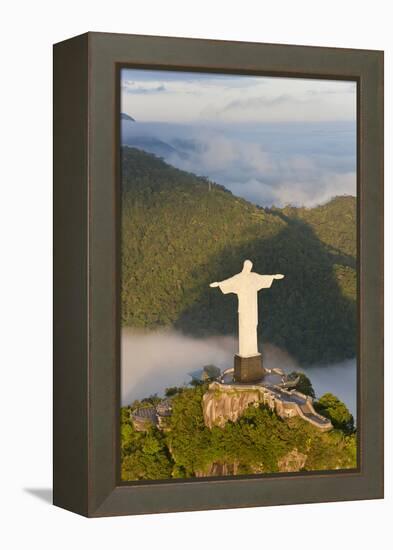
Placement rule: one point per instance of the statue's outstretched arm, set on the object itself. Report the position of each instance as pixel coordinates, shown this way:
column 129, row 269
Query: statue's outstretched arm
column 266, row 281
column 226, row 286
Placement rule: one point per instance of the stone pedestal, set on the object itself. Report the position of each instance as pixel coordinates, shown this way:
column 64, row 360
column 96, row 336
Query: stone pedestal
column 248, row 369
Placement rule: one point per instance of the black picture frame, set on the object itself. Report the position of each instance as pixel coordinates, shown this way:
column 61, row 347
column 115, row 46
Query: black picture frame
column 86, row 273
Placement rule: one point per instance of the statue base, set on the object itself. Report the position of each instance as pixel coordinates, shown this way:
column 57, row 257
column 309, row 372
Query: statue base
column 248, row 369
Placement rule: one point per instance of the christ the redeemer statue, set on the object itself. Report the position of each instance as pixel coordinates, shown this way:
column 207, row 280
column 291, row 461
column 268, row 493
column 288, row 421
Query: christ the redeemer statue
column 246, row 285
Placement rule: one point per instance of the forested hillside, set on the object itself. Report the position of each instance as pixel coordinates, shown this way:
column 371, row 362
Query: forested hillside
column 180, row 232
column 258, row 442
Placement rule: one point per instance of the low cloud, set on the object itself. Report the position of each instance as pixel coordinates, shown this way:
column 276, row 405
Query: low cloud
column 308, row 192
column 270, row 178
column 267, row 164
column 260, row 101
column 130, row 87
column 153, row 361
column 234, row 98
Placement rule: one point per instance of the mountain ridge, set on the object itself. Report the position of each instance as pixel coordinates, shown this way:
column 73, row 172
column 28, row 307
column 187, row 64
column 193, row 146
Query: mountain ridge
column 125, row 116
column 181, row 231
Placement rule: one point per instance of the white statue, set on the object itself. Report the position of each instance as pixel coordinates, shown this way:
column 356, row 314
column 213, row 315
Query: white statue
column 246, row 285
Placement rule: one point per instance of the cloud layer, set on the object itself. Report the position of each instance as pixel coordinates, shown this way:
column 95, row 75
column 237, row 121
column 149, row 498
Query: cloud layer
column 302, row 164
column 153, row 361
column 273, row 141
column 164, row 96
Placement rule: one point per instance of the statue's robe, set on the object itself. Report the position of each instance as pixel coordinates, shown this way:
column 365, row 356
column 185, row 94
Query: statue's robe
column 246, row 286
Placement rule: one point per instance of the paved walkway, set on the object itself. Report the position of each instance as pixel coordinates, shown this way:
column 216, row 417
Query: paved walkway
column 270, row 383
column 305, row 406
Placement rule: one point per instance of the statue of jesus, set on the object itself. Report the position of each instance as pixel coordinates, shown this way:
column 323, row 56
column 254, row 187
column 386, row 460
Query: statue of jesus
column 246, row 285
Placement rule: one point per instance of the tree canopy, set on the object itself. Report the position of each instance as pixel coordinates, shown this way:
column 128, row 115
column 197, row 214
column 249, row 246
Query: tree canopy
column 330, row 406
column 256, row 443
column 304, row 384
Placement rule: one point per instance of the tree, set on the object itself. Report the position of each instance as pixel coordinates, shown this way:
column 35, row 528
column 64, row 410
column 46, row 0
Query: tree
column 256, row 442
column 172, row 390
column 144, row 455
column 330, row 406
column 304, row 385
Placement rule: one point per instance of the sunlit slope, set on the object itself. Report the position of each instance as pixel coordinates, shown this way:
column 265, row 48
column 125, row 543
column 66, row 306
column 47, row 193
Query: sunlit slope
column 180, row 232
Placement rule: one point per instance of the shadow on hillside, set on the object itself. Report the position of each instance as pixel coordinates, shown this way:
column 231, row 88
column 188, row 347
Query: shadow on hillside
column 306, row 313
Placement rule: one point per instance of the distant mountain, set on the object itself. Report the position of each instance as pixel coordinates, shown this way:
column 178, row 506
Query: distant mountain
column 139, row 136
column 189, row 145
column 124, row 116
column 180, row 232
column 152, row 145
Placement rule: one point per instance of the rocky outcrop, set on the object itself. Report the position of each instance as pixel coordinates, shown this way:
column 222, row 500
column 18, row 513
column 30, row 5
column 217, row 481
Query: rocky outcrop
column 227, row 402
column 221, row 406
column 292, row 461
column 146, row 417
column 219, row 469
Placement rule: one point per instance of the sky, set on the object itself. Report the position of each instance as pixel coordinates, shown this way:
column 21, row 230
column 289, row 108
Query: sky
column 273, row 141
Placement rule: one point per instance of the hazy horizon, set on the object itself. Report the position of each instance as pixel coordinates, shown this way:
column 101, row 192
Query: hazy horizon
column 273, row 141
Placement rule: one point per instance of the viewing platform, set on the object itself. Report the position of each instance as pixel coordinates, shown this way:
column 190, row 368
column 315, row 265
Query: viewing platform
column 225, row 402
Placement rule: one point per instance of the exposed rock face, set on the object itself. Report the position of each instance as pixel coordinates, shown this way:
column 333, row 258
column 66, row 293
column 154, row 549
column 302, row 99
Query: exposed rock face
column 292, row 462
column 219, row 469
column 144, row 418
column 228, row 402
column 220, row 406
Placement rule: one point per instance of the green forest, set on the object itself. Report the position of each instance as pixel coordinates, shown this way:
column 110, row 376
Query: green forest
column 256, row 443
column 180, row 232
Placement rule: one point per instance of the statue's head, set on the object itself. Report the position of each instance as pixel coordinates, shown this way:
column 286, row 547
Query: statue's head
column 247, row 266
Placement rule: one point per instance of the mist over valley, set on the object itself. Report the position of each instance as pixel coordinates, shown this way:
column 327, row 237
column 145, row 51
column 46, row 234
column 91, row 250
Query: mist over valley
column 152, row 361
